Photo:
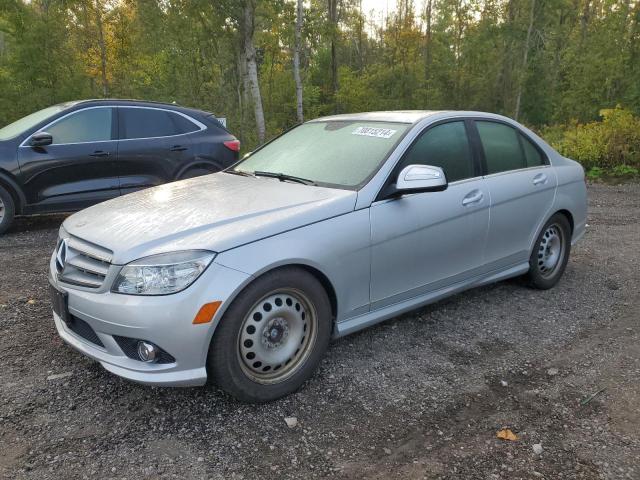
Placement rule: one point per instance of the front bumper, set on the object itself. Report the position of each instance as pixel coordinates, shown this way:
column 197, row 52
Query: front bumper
column 163, row 320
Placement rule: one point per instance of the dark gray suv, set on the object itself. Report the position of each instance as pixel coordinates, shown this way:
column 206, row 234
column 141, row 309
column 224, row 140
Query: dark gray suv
column 72, row 155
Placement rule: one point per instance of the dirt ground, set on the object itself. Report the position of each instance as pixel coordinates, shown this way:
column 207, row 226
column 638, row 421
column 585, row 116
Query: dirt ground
column 419, row 396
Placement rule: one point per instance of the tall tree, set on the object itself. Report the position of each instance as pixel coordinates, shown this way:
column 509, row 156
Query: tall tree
column 247, row 29
column 296, row 59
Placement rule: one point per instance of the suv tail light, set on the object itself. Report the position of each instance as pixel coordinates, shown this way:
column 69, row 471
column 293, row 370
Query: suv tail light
column 233, row 145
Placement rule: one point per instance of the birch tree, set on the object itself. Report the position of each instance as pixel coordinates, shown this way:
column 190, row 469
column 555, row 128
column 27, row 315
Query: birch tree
column 247, row 28
column 296, row 59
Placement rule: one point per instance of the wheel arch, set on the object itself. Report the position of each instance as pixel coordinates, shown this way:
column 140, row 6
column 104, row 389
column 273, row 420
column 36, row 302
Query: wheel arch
column 568, row 215
column 319, row 275
column 14, row 190
column 212, row 165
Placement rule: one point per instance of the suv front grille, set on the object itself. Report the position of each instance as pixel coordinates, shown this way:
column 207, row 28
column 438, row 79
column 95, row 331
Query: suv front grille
column 81, row 263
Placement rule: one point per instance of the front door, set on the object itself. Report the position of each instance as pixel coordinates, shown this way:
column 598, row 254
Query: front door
column 78, row 168
column 426, row 241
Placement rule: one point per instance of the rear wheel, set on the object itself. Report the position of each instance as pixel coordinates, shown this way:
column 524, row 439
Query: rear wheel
column 550, row 253
column 7, row 209
column 272, row 337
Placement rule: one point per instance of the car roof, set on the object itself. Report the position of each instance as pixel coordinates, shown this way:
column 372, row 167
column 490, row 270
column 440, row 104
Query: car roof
column 405, row 116
column 137, row 103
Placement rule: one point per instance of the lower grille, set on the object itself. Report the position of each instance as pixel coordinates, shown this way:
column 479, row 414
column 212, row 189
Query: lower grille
column 130, row 348
column 84, row 330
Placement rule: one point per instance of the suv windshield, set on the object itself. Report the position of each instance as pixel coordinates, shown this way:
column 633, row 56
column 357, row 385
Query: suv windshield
column 343, row 154
column 25, row 123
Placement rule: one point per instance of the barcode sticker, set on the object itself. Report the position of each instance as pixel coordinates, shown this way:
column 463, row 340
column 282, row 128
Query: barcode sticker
column 374, row 132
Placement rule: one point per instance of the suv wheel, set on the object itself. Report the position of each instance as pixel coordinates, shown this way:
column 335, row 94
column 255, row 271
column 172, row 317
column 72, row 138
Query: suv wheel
column 272, row 337
column 550, row 253
column 7, row 209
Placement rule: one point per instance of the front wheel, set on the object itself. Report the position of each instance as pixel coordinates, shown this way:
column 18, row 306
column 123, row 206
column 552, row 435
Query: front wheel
column 7, row 210
column 272, row 337
column 550, row 253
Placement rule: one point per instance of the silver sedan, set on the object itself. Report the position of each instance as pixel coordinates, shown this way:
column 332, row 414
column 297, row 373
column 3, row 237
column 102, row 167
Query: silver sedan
column 243, row 277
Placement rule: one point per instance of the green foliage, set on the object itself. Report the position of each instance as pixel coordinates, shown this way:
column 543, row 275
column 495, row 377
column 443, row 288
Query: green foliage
column 581, row 56
column 612, row 144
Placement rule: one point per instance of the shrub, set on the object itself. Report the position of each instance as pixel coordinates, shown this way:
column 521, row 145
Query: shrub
column 612, row 143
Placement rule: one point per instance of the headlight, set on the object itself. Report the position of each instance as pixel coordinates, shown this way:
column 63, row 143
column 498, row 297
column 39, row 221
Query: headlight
column 162, row 274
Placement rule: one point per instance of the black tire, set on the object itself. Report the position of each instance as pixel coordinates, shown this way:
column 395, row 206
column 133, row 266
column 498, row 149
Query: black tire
column 544, row 272
column 195, row 172
column 227, row 365
column 7, row 210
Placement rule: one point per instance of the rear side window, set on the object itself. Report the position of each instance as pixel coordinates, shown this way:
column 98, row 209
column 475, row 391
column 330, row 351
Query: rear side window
column 445, row 146
column 532, row 154
column 148, row 123
column 501, row 145
column 90, row 125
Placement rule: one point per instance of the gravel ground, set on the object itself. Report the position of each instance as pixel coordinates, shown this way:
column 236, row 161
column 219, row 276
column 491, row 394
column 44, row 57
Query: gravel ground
column 420, row 396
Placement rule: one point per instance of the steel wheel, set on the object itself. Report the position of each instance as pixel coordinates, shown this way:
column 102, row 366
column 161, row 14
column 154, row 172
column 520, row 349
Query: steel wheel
column 551, row 250
column 277, row 336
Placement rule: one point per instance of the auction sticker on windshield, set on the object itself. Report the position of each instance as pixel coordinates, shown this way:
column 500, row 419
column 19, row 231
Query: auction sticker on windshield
column 374, row 132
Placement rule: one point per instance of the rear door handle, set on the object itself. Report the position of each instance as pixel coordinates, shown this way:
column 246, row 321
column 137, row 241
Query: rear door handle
column 99, row 153
column 473, row 197
column 540, row 179
column 178, row 148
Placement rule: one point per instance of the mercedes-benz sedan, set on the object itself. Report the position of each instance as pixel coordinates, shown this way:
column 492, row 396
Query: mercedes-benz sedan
column 243, row 276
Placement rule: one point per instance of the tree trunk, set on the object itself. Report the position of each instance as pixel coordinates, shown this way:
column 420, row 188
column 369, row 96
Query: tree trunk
column 247, row 26
column 103, row 49
column 296, row 60
column 523, row 73
column 333, row 20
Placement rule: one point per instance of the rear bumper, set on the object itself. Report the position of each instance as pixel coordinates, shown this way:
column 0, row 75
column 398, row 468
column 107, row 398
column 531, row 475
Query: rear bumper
column 165, row 321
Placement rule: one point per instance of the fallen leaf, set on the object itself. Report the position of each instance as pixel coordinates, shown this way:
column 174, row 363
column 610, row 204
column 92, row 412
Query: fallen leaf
column 31, row 301
column 506, row 434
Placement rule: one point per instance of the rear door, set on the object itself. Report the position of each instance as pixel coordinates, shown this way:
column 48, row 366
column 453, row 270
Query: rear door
column 425, row 241
column 78, row 168
column 153, row 145
column 522, row 188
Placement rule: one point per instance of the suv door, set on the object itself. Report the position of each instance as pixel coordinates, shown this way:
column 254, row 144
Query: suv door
column 78, row 168
column 153, row 145
column 426, row 241
column 522, row 188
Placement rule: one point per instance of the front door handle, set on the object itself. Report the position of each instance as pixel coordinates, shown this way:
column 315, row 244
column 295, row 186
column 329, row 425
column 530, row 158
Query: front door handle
column 178, row 148
column 540, row 179
column 99, row 153
column 473, row 197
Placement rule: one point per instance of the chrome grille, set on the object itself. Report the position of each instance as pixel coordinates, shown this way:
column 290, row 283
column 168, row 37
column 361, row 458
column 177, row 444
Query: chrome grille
column 81, row 263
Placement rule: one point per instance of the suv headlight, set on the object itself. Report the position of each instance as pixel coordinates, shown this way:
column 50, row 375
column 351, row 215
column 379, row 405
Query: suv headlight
column 162, row 274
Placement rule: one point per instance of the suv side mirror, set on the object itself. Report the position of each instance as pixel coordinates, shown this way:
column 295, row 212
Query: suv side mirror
column 420, row 178
column 41, row 139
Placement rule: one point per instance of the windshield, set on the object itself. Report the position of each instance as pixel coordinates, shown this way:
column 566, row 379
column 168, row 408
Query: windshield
column 341, row 154
column 25, row 123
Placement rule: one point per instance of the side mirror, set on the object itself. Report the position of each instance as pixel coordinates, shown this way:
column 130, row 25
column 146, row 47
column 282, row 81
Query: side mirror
column 41, row 139
column 420, row 178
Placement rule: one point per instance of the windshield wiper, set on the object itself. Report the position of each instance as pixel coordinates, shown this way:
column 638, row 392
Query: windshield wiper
column 283, row 176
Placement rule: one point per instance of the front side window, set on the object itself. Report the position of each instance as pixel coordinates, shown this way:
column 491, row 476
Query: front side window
column 502, row 148
column 331, row 153
column 445, row 146
column 150, row 123
column 90, row 125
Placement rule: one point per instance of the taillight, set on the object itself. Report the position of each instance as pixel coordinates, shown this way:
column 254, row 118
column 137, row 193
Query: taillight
column 233, row 145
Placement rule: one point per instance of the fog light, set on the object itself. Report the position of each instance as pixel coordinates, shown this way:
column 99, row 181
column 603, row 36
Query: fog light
column 147, row 352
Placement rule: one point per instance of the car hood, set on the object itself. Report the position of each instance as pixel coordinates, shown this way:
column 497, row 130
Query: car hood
column 214, row 212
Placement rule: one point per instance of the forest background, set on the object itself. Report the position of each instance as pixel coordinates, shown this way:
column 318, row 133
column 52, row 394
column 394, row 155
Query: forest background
column 569, row 69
